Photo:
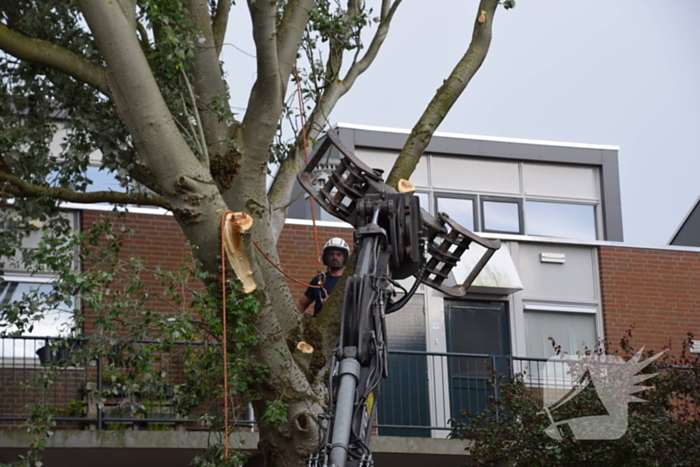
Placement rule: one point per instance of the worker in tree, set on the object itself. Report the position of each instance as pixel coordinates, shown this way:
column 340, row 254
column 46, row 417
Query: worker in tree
column 335, row 257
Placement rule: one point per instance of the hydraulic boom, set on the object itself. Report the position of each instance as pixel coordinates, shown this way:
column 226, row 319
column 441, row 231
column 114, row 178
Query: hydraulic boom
column 394, row 239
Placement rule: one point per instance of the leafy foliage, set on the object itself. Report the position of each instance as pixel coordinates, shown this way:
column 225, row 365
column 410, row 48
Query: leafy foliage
column 139, row 347
column 665, row 430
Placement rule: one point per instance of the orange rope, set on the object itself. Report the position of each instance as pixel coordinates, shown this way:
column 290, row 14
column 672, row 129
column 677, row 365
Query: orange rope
column 225, row 332
column 306, row 160
column 280, row 269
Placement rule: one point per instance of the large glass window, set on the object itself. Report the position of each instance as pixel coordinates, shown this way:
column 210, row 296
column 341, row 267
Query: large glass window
column 17, row 284
column 51, row 322
column 459, row 209
column 571, row 328
column 560, row 220
column 500, row 215
column 405, row 393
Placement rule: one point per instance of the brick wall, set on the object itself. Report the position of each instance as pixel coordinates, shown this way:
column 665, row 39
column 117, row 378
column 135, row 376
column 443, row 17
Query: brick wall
column 159, row 241
column 656, row 291
column 18, row 392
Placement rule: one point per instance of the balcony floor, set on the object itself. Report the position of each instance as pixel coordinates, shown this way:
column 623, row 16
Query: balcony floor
column 175, row 449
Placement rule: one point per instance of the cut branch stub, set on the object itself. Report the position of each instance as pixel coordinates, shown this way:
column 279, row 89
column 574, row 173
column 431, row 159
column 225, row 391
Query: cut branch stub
column 305, row 348
column 235, row 223
column 303, row 353
column 406, row 187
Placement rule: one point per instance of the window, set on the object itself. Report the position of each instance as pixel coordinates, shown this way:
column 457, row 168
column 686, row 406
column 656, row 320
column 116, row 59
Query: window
column 560, row 220
column 405, row 394
column 53, row 322
column 571, row 327
column 516, row 216
column 459, row 209
column 16, row 284
column 501, row 215
column 104, row 180
column 424, row 199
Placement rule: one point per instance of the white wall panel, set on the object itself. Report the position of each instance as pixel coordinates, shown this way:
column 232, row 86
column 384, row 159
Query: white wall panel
column 384, row 160
column 575, row 280
column 560, row 181
column 475, row 175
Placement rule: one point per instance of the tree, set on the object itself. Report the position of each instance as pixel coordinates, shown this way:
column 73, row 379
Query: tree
column 141, row 81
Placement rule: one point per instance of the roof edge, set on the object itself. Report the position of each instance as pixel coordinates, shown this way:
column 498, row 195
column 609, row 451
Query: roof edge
column 353, row 126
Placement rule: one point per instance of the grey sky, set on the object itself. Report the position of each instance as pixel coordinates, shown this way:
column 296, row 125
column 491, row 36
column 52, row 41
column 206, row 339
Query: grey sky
column 596, row 71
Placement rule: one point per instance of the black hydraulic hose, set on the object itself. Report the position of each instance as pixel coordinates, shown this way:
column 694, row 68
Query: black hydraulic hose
column 400, row 304
column 372, row 382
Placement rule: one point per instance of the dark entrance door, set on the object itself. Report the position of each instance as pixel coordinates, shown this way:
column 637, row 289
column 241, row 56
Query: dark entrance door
column 475, row 327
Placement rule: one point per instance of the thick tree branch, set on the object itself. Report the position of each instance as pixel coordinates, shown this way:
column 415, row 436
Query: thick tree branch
column 446, row 95
column 263, row 15
column 48, row 54
column 136, row 94
column 208, row 82
column 264, row 107
column 281, row 188
column 260, row 120
column 359, row 67
column 15, row 186
column 219, row 23
column 291, row 29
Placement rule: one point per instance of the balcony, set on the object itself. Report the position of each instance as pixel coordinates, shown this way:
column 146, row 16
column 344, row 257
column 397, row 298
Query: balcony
column 423, row 392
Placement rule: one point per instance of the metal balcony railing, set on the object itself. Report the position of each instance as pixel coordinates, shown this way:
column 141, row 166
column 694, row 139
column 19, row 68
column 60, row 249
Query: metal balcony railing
column 103, row 393
column 423, row 392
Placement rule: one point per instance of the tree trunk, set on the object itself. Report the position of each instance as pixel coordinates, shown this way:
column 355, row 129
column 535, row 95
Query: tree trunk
column 289, row 444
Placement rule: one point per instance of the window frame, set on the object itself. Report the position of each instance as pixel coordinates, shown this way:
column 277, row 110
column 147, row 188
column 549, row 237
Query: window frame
column 534, row 377
column 501, row 199
column 459, row 196
column 38, row 279
column 595, row 206
column 22, row 358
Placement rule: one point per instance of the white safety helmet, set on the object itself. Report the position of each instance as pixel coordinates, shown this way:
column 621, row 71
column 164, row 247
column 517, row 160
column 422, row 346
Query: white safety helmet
column 336, row 243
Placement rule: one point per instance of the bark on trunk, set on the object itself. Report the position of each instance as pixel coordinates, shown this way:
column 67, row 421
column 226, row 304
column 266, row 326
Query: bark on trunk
column 289, row 444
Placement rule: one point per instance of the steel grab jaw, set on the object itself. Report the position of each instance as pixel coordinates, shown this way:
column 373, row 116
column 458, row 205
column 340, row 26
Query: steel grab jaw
column 447, row 241
column 351, row 180
column 347, row 183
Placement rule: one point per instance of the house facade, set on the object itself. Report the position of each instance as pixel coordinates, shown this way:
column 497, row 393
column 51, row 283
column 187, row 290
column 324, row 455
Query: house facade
column 563, row 277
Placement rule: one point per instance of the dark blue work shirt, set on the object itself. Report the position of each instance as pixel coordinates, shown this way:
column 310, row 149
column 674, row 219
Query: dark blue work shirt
column 318, row 295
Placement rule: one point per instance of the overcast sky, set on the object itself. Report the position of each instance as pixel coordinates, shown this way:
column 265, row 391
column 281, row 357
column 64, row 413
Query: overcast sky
column 616, row 72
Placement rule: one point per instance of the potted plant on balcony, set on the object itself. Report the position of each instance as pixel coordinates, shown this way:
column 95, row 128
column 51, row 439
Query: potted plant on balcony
column 59, row 352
